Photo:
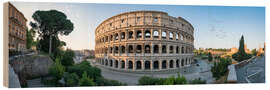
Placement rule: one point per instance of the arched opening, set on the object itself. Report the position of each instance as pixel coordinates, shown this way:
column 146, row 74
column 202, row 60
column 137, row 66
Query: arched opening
column 186, row 61
column 111, row 38
column 130, row 65
column 147, row 64
column 139, row 49
column 182, row 50
column 156, row 34
column 177, row 49
column 130, row 34
column 164, row 64
column 156, row 49
column 171, row 63
column 116, row 36
column 164, row 34
column 130, row 49
column 156, row 65
column 116, row 49
column 182, row 62
column 176, row 36
column 139, row 34
column 139, row 65
column 111, row 63
column 177, row 63
column 171, row 36
column 116, row 63
column 111, row 49
column 123, row 49
column 106, row 62
column 147, row 34
column 171, row 49
column 147, row 49
column 164, row 49
column 123, row 64
column 123, row 35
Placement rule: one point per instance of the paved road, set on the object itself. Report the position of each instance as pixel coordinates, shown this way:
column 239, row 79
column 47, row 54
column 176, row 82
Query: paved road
column 202, row 71
column 256, row 65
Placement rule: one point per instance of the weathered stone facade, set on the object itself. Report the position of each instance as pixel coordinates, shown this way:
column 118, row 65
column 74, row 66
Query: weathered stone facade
column 144, row 41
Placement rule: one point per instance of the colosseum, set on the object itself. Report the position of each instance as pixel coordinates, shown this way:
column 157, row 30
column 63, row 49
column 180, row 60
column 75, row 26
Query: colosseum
column 142, row 41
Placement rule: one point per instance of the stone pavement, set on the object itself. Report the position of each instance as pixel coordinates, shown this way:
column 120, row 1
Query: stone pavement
column 256, row 65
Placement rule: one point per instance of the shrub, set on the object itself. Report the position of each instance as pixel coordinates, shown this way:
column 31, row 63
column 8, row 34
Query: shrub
column 198, row 81
column 219, row 69
column 57, row 70
column 105, row 82
column 71, row 79
column 86, row 81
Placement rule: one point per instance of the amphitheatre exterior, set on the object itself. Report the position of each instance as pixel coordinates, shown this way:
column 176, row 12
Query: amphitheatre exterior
column 144, row 41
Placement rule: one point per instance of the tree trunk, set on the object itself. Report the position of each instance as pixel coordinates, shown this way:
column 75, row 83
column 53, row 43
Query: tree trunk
column 50, row 46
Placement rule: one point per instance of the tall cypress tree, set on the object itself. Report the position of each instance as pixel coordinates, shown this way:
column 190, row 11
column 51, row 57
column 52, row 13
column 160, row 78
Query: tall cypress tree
column 241, row 54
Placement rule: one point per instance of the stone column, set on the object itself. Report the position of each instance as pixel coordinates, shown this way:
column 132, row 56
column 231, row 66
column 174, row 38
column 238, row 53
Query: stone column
column 167, row 64
column 160, row 64
column 142, row 61
column 126, row 64
column 143, row 49
column 134, row 65
column 151, row 65
column 174, row 64
column 143, row 33
column 119, row 64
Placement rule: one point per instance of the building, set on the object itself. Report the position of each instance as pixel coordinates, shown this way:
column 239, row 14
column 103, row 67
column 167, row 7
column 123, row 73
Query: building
column 144, row 41
column 17, row 29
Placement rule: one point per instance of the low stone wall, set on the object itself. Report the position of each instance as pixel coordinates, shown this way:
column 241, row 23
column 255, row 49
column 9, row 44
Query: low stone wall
column 31, row 66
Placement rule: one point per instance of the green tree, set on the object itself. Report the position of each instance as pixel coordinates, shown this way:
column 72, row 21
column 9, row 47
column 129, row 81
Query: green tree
column 67, row 59
column 254, row 52
column 57, row 70
column 86, row 81
column 210, row 57
column 241, row 54
column 50, row 24
column 220, row 68
column 30, row 34
column 180, row 79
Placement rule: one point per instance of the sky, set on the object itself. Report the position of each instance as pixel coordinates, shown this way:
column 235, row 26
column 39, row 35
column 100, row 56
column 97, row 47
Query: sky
column 214, row 26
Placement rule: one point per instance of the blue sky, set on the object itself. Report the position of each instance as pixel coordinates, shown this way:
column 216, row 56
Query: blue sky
column 215, row 26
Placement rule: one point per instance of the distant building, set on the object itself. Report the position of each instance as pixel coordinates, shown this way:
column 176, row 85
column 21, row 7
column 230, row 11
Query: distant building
column 17, row 29
column 246, row 49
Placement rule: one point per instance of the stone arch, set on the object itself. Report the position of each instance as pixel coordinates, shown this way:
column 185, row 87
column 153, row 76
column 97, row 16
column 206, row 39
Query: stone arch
column 164, row 64
column 139, row 49
column 182, row 49
column 116, row 36
column 186, row 62
column 147, row 65
column 171, row 35
column 123, row 35
column 156, row 34
column 156, row 65
column 116, row 49
column 171, row 49
column 164, row 49
column 156, row 49
column 182, row 62
column 139, row 34
column 164, row 35
column 111, row 63
column 123, row 65
column 138, row 65
column 147, row 49
column 130, row 49
column 130, row 65
column 123, row 49
column 147, row 34
column 130, row 34
column 177, row 49
column 177, row 63
column 171, row 63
